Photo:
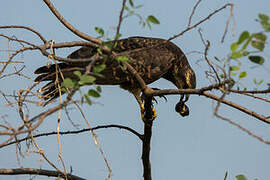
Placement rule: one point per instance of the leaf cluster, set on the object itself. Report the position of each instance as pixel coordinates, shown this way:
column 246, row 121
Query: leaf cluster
column 132, row 11
column 250, row 45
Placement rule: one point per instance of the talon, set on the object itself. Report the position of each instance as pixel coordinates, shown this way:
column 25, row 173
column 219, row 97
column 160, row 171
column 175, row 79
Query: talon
column 161, row 96
column 154, row 112
column 142, row 111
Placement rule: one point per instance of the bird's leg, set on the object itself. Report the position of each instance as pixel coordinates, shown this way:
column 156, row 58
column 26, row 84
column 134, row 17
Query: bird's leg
column 137, row 95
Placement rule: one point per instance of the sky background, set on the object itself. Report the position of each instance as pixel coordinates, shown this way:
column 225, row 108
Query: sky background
column 199, row 146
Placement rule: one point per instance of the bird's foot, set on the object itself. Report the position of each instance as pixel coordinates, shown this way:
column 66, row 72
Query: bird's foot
column 182, row 109
column 154, row 112
column 161, row 96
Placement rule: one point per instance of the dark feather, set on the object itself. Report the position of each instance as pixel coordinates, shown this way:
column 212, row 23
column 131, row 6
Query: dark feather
column 152, row 58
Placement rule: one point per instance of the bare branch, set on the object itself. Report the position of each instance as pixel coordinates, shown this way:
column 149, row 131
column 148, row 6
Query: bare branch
column 208, row 61
column 69, row 26
column 201, row 21
column 76, row 132
column 251, row 91
column 120, row 18
column 27, row 28
column 227, row 25
column 41, row 172
column 192, row 13
column 236, row 124
column 240, row 108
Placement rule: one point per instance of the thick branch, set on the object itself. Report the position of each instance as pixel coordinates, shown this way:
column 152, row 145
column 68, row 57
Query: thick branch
column 146, row 147
column 41, row 172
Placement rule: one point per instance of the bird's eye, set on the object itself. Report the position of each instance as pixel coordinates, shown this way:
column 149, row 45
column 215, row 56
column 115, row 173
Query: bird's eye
column 182, row 109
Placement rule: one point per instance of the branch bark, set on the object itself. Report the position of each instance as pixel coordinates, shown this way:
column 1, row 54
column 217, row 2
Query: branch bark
column 146, row 147
column 41, row 172
column 69, row 26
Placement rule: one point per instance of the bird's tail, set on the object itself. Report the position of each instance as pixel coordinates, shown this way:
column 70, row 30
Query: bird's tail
column 55, row 74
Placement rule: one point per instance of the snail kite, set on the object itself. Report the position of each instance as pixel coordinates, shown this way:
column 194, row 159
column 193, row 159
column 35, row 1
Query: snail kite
column 152, row 58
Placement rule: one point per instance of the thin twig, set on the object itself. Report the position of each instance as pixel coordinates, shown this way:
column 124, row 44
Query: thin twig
column 208, row 61
column 234, row 123
column 192, row 13
column 27, row 28
column 201, row 21
column 76, row 132
column 120, row 18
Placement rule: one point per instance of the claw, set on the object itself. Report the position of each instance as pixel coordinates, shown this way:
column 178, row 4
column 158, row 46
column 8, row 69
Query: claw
column 154, row 112
column 161, row 96
column 182, row 109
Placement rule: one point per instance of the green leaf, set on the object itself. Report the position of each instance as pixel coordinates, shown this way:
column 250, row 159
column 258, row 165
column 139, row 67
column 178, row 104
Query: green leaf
column 241, row 177
column 87, row 99
column 242, row 74
column 263, row 17
column 63, row 90
column 99, row 68
column 126, row 8
column 77, row 73
column 244, row 35
column 131, row 3
column 138, row 7
column 256, row 82
column 222, row 76
column 256, row 59
column 93, row 93
column 100, row 31
column 98, row 89
column 122, row 59
column 226, row 175
column 258, row 45
column 152, row 19
column 260, row 36
column 117, row 36
column 234, row 68
column 234, row 46
column 236, row 55
column 109, row 44
column 68, row 83
column 86, row 79
column 232, row 73
column 266, row 26
column 246, row 43
column 245, row 53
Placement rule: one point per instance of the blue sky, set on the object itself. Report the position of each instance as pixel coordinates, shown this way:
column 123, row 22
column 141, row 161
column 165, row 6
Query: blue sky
column 199, row 146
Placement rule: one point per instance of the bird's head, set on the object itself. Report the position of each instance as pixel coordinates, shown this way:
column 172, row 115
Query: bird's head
column 185, row 79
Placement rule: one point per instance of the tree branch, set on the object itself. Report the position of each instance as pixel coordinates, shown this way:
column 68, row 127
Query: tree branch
column 69, row 26
column 201, row 21
column 146, row 146
column 240, row 108
column 120, row 18
column 27, row 28
column 77, row 132
column 41, row 172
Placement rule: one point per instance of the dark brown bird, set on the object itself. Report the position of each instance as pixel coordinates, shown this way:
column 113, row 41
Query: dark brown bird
column 152, row 58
